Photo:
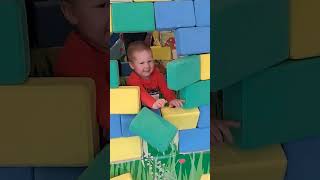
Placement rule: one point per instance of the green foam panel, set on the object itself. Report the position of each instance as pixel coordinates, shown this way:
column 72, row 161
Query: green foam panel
column 276, row 106
column 114, row 74
column 183, row 72
column 196, row 94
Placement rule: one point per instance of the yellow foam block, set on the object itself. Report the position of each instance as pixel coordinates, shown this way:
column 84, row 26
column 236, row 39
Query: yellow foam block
column 205, row 177
column 161, row 53
column 125, row 149
column 263, row 164
column 181, row 118
column 125, row 100
column 48, row 122
column 205, row 66
column 126, row 176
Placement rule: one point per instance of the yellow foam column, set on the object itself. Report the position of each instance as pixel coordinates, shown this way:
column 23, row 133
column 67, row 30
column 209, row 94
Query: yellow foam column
column 205, row 66
column 181, row 118
column 125, row 149
column 161, row 53
column 126, row 176
column 125, row 100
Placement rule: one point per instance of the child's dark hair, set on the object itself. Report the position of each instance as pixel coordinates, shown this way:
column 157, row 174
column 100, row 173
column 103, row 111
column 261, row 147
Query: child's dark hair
column 136, row 46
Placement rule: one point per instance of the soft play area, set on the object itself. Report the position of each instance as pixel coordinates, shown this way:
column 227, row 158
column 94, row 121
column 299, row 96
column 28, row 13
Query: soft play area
column 48, row 129
column 168, row 143
column 266, row 62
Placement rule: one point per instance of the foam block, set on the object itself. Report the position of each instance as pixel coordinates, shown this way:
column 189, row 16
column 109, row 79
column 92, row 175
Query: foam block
column 54, row 173
column 161, row 53
column 205, row 177
column 126, row 120
column 204, row 118
column 16, row 173
column 233, row 163
column 56, row 115
column 97, row 167
column 205, row 66
column 303, row 159
column 183, row 72
column 133, row 17
column 202, row 12
column 193, row 40
column 125, row 149
column 248, row 37
column 125, row 69
column 115, row 126
column 126, row 176
column 14, row 46
column 304, row 29
column 125, row 100
column 174, row 14
column 196, row 94
column 282, row 95
column 114, row 74
column 158, row 132
column 181, row 118
column 194, row 140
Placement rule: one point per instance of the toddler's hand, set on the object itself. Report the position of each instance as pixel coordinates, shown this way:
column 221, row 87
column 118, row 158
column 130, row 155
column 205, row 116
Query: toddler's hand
column 159, row 104
column 176, row 103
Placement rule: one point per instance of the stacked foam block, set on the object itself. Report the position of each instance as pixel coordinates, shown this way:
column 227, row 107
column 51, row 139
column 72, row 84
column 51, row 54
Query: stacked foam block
column 274, row 96
column 43, row 120
column 189, row 75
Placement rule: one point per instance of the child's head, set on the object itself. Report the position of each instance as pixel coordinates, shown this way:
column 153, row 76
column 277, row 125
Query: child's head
column 90, row 18
column 140, row 59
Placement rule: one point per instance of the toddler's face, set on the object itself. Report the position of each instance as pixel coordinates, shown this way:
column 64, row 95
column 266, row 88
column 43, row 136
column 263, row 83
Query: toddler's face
column 91, row 20
column 142, row 63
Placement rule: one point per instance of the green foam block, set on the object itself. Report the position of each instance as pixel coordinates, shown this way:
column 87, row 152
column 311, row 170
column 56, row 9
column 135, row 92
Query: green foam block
column 14, row 44
column 183, row 72
column 155, row 130
column 276, row 106
column 114, row 74
column 133, row 17
column 248, row 36
column 196, row 94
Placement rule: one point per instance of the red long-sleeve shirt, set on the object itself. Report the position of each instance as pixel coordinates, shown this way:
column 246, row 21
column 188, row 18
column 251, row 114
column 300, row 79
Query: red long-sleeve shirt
column 156, row 82
column 79, row 59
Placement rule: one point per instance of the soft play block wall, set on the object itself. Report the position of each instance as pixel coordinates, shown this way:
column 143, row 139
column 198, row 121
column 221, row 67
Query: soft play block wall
column 115, row 126
column 304, row 29
column 193, row 40
column 202, row 12
column 174, row 14
column 54, row 116
column 248, row 36
column 196, row 94
column 303, row 158
column 125, row 100
column 14, row 45
column 55, row 173
column 16, row 173
column 278, row 99
column 181, row 118
column 114, row 74
column 264, row 164
column 204, row 118
column 133, row 17
column 125, row 149
column 183, row 72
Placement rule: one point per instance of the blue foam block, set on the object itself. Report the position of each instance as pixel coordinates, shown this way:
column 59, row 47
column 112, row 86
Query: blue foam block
column 303, row 159
column 115, row 126
column 194, row 140
column 202, row 12
column 195, row 40
column 174, row 14
column 126, row 121
column 19, row 173
column 61, row 173
column 204, row 118
column 125, row 69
